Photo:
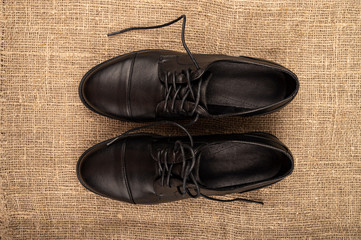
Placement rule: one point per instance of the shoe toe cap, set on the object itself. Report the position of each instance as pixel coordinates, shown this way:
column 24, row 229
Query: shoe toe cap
column 100, row 171
column 105, row 90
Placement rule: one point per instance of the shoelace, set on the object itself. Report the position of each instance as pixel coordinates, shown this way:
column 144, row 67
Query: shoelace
column 165, row 168
column 174, row 89
column 172, row 92
column 160, row 26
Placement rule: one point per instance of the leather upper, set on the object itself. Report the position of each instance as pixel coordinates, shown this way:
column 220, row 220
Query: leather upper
column 127, row 169
column 132, row 86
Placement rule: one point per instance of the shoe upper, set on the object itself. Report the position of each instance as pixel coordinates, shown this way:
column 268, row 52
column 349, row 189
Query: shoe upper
column 150, row 169
column 160, row 84
column 151, row 85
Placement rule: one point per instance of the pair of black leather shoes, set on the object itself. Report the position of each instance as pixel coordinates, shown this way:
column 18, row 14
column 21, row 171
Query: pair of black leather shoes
column 163, row 86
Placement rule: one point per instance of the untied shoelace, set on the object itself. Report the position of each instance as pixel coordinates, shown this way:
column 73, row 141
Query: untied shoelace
column 186, row 169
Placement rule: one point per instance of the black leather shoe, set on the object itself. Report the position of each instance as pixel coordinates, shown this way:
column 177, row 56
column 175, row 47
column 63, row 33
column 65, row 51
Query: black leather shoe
column 144, row 168
column 152, row 85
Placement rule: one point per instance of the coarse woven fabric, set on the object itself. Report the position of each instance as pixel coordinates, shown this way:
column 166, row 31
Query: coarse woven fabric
column 46, row 48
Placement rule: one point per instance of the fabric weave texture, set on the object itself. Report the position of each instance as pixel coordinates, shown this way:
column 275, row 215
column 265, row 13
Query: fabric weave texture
column 46, row 48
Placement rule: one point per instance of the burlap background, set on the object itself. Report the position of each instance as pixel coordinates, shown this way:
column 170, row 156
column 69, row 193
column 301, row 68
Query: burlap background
column 47, row 46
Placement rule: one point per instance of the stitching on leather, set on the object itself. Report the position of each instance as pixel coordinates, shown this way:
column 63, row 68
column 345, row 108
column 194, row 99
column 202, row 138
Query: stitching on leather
column 129, row 80
column 125, row 178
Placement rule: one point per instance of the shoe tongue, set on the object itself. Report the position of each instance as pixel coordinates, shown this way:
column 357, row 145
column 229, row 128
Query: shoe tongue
column 206, row 77
column 205, row 80
column 177, row 169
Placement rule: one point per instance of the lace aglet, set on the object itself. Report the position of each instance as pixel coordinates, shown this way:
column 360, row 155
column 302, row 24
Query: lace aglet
column 112, row 141
column 111, row 34
column 261, row 203
column 252, row 201
column 122, row 31
column 114, row 33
